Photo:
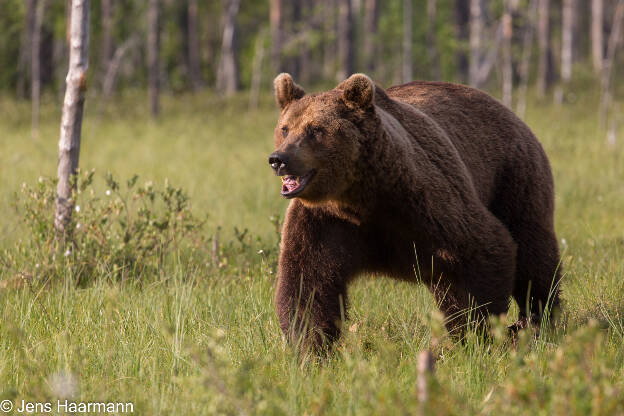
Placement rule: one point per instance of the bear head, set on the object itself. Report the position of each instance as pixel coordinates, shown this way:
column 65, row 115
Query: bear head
column 318, row 137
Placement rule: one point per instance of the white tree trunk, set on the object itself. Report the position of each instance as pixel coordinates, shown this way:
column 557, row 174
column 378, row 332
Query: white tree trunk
column 567, row 25
column 256, row 74
column 227, row 74
column 432, row 49
column 543, row 39
column 71, row 122
column 476, row 27
column 527, row 46
column 507, row 62
column 607, row 66
column 110, row 78
column 597, row 17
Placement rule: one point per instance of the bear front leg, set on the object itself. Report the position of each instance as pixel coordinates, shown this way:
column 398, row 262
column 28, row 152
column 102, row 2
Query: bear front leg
column 319, row 255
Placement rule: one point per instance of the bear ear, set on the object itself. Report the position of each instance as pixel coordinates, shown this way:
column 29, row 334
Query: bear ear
column 358, row 91
column 286, row 91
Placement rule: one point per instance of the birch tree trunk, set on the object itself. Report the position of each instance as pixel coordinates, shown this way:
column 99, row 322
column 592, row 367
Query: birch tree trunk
column 507, row 62
column 476, row 27
column 432, row 50
column 527, row 47
column 227, row 74
column 194, row 62
column 256, row 74
column 606, row 92
column 567, row 25
column 462, row 19
column 35, row 67
column 111, row 72
column 408, row 67
column 345, row 40
column 276, row 35
column 544, row 72
column 71, row 122
column 153, row 56
column 371, row 23
column 597, row 42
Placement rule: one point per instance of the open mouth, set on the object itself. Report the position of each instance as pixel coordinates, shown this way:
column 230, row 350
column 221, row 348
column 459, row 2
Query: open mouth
column 293, row 185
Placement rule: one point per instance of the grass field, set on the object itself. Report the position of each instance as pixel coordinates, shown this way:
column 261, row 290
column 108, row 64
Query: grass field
column 199, row 338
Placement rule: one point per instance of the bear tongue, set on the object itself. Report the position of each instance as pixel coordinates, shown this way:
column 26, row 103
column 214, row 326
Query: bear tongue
column 289, row 183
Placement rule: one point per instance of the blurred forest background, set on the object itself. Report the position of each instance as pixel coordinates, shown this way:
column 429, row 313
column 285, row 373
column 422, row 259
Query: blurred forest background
column 231, row 45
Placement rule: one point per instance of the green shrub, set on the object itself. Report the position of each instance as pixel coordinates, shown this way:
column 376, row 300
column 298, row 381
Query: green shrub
column 122, row 231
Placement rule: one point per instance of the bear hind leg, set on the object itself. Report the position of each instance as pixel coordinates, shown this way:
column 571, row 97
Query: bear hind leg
column 538, row 272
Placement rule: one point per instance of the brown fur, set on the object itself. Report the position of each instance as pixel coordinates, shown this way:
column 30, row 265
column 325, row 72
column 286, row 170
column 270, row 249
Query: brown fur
column 425, row 173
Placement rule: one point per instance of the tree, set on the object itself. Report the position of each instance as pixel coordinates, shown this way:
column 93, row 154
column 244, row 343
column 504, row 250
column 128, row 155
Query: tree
column 153, row 56
column 507, row 62
column 71, row 122
column 567, row 41
column 345, row 40
column 462, row 19
column 276, row 35
column 615, row 38
column 597, row 41
column 408, row 66
column 35, row 66
column 476, row 27
column 256, row 73
column 545, row 74
column 432, row 50
column 527, row 47
column 371, row 23
column 194, row 62
column 227, row 74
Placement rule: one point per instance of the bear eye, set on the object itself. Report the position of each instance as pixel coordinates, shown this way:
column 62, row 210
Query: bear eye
column 284, row 131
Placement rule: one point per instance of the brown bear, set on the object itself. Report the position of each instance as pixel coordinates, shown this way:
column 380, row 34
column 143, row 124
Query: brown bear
column 385, row 182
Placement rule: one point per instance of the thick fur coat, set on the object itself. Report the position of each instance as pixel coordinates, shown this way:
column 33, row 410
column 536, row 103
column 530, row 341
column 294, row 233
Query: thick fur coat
column 427, row 181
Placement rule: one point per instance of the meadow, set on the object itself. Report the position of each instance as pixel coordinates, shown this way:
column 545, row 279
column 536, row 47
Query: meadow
column 197, row 335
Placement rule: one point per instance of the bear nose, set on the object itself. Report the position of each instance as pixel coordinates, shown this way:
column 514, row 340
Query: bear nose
column 278, row 162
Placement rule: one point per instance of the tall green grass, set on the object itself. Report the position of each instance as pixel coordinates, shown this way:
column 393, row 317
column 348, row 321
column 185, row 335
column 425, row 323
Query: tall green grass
column 198, row 338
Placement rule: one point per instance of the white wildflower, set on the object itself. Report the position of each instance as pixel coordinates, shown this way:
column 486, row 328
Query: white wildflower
column 108, row 192
column 77, row 208
column 67, row 253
